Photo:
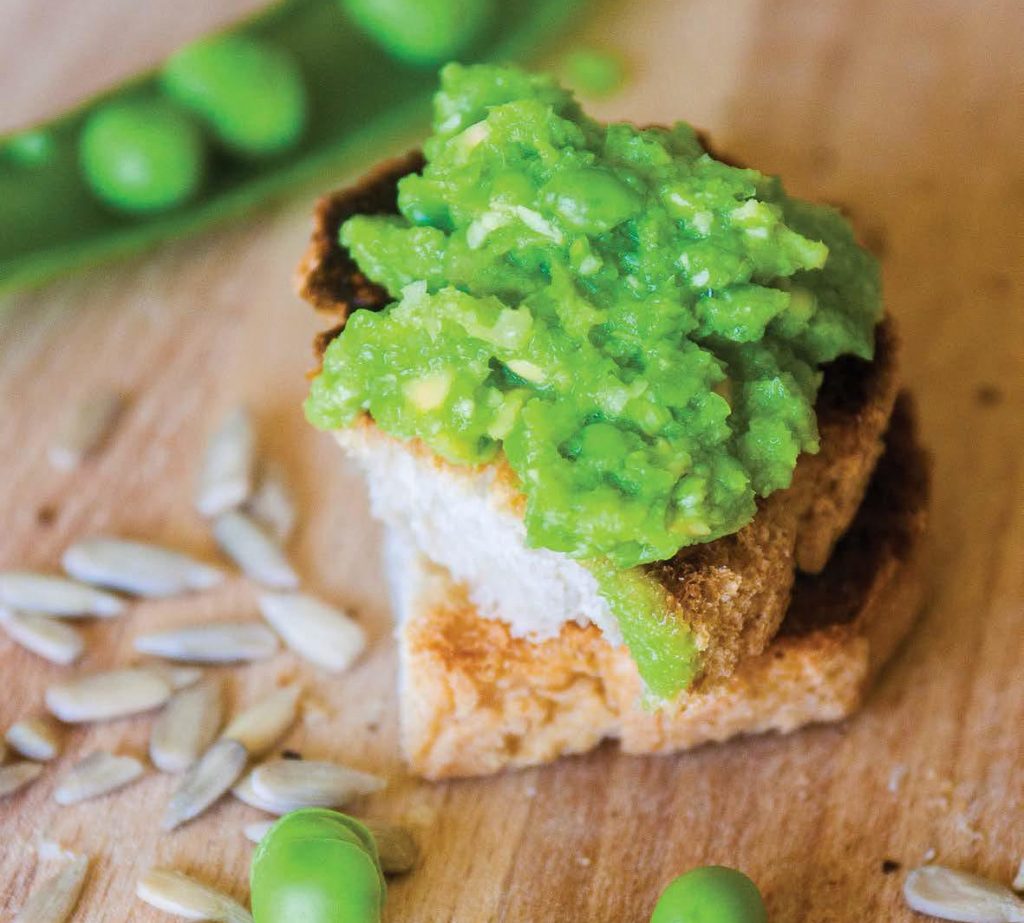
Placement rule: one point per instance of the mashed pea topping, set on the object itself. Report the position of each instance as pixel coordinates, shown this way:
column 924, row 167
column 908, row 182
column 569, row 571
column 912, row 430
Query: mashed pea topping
column 637, row 326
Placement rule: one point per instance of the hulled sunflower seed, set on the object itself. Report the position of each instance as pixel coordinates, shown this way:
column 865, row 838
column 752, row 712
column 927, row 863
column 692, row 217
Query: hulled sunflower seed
column 318, row 632
column 226, row 477
column 174, row 892
column 37, row 738
column 106, row 695
column 212, row 642
column 953, row 895
column 396, row 847
column 15, row 776
column 245, row 793
column 271, row 503
column 137, row 567
column 213, row 775
column 255, row 832
column 98, row 774
column 187, row 726
column 56, row 898
column 84, row 429
column 44, row 635
column 178, row 677
column 49, row 595
column 263, row 724
column 287, row 785
column 254, row 551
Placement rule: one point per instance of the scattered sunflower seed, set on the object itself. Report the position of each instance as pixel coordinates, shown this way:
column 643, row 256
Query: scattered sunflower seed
column 44, row 635
column 245, row 793
column 263, row 724
column 211, row 642
column 177, row 677
column 176, row 893
column 226, row 477
column 314, row 630
column 254, row 551
column 98, row 774
column 56, row 898
column 287, row 785
column 271, row 503
column 953, row 895
column 84, row 429
column 187, row 726
column 55, row 596
column 107, row 695
column 137, row 567
column 16, row 776
column 396, row 846
column 37, row 738
column 213, row 775
column 255, row 832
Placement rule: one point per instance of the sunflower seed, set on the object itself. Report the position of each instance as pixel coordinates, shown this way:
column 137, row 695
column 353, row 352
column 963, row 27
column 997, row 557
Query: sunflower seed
column 208, row 779
column 106, row 695
column 255, row 832
column 48, row 637
column 37, row 738
column 177, row 677
column 56, row 898
column 245, row 793
column 137, row 567
column 55, row 596
column 1018, row 881
column 396, row 847
column 212, row 642
column 176, row 893
column 226, row 477
column 187, row 726
column 99, row 773
column 16, row 776
column 318, row 632
column 271, row 503
column 84, row 429
column 254, row 551
column 287, row 785
column 260, row 726
column 953, row 895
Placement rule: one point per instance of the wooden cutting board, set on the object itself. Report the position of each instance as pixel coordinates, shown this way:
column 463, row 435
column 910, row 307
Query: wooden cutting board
column 910, row 111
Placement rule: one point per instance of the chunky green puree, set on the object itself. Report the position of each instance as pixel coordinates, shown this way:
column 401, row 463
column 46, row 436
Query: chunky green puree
column 636, row 325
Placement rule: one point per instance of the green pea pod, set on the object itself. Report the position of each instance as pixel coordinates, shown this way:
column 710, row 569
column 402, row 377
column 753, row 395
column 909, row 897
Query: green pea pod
column 278, row 101
column 318, row 866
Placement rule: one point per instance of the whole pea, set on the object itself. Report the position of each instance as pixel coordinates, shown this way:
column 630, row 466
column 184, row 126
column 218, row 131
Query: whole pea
column 142, row 154
column 421, row 31
column 713, row 894
column 250, row 93
column 317, row 866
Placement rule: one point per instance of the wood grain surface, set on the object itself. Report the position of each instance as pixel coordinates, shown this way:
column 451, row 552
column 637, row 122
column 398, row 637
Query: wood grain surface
column 910, row 111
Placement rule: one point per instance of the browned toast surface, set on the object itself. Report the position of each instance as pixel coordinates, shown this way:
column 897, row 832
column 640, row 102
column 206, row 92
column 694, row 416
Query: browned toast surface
column 475, row 700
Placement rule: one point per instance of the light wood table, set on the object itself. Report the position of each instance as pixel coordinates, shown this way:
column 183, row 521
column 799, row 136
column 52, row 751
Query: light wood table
column 910, row 111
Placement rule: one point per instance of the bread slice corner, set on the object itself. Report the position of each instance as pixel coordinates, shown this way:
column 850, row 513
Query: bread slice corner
column 475, row 699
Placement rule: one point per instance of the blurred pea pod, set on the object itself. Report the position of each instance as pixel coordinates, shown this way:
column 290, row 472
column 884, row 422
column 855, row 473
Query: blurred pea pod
column 301, row 89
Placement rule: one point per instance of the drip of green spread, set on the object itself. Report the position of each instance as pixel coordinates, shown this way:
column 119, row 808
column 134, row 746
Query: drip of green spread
column 636, row 325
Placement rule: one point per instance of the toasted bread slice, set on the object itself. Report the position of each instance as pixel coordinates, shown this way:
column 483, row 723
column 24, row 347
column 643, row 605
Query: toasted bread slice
column 732, row 593
column 475, row 700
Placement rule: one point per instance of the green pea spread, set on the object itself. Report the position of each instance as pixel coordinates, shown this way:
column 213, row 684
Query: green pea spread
column 636, row 326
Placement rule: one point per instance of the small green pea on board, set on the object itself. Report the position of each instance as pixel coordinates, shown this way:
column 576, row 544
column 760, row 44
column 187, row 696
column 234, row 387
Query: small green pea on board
column 304, row 87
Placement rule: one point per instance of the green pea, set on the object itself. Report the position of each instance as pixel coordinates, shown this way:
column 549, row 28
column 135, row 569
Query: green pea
column 591, row 200
column 713, row 894
column 421, row 31
column 250, row 93
column 317, row 866
column 142, row 154
column 30, row 148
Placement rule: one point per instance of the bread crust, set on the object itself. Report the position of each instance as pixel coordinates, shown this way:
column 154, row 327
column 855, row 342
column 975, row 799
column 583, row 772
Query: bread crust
column 475, row 700
column 733, row 592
